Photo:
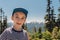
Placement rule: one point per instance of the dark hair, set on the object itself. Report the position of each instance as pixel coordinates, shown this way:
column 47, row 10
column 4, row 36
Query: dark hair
column 20, row 10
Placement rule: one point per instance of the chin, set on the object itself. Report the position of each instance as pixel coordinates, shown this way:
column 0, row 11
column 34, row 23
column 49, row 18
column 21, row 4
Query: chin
column 19, row 25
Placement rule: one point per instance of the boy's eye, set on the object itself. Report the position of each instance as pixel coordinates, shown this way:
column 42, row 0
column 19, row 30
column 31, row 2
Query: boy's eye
column 16, row 17
column 22, row 18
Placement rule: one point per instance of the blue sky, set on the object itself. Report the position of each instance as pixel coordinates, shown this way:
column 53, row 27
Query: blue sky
column 36, row 8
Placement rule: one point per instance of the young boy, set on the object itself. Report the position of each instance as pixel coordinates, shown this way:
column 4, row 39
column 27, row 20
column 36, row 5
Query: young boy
column 16, row 32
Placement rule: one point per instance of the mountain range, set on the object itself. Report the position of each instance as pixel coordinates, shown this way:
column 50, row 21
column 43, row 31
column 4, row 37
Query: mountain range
column 31, row 25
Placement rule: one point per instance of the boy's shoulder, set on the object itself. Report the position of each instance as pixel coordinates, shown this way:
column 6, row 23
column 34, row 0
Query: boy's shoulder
column 24, row 31
column 8, row 29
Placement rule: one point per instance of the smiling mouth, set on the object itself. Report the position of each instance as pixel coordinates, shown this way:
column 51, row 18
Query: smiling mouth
column 19, row 23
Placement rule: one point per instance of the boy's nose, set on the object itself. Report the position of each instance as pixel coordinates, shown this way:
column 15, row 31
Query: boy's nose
column 19, row 19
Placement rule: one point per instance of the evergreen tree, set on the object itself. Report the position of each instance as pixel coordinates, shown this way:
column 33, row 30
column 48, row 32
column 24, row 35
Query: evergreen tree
column 40, row 33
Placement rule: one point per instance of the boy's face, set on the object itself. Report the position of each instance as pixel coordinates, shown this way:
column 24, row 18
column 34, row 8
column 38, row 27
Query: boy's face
column 19, row 18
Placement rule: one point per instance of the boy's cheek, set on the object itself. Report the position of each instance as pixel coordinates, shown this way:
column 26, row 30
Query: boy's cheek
column 16, row 21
